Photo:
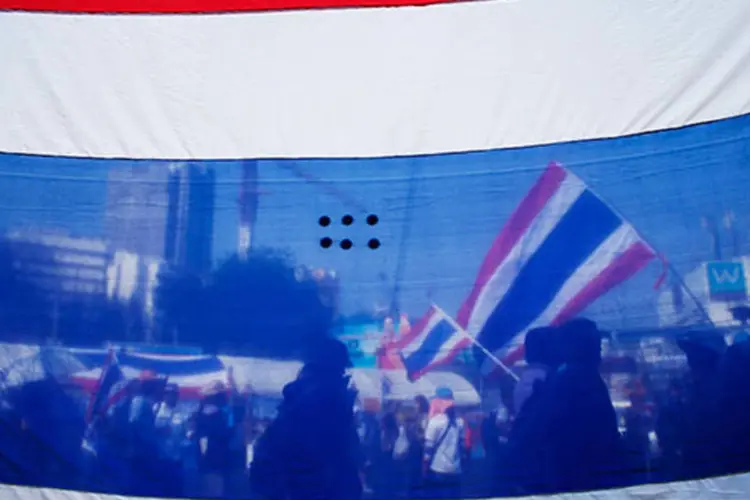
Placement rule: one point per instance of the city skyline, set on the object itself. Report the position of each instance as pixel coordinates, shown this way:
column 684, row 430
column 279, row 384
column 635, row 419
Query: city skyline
column 662, row 183
column 189, row 216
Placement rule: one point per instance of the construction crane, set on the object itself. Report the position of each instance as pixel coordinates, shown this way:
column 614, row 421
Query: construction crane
column 249, row 193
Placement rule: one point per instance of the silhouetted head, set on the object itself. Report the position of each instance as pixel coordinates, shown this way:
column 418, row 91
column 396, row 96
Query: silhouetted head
column 171, row 394
column 541, row 347
column 703, row 349
column 149, row 383
column 581, row 343
column 423, row 405
column 215, row 393
column 327, row 356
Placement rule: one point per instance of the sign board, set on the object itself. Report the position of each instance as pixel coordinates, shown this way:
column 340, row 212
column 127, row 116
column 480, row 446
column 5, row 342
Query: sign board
column 726, row 281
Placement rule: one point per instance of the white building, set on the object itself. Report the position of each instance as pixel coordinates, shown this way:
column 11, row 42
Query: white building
column 62, row 264
column 65, row 265
column 130, row 275
column 137, row 205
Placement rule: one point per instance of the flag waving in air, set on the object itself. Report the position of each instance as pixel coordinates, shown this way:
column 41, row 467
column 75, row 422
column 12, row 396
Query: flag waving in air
column 434, row 341
column 561, row 249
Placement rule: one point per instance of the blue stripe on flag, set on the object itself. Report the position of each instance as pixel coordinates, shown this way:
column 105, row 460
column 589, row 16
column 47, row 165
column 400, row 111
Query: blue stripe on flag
column 171, row 366
column 585, row 226
column 430, row 349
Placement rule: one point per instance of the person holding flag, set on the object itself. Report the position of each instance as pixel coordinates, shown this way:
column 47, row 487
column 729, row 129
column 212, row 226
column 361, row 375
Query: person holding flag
column 561, row 249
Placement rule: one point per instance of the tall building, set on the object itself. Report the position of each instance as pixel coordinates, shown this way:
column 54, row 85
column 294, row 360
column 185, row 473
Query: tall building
column 190, row 207
column 158, row 210
column 136, row 213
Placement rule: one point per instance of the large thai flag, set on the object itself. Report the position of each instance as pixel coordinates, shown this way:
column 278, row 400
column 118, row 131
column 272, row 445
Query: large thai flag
column 432, row 342
column 190, row 373
column 561, row 249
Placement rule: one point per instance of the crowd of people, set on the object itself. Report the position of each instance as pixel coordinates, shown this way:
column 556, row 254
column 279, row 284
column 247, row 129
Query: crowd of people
column 559, row 431
column 567, row 436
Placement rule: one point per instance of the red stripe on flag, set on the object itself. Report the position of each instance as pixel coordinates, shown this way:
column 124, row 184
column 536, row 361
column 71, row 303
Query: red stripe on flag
column 196, row 6
column 620, row 269
column 517, row 225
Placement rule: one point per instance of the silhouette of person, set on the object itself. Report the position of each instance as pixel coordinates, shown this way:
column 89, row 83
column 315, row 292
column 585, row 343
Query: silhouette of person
column 704, row 350
column 541, row 359
column 581, row 431
column 528, row 454
column 734, row 408
column 312, row 451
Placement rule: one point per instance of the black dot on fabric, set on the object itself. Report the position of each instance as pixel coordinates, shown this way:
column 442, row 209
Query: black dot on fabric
column 374, row 243
column 347, row 220
column 324, row 221
column 346, row 244
column 326, row 242
column 372, row 219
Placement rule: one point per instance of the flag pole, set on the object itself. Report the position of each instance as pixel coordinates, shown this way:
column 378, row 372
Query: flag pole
column 474, row 341
column 395, row 308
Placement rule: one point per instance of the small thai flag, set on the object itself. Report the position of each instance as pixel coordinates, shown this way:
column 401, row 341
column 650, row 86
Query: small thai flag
column 110, row 376
column 434, row 341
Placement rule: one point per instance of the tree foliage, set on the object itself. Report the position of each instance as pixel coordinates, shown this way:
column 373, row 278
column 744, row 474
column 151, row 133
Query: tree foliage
column 255, row 305
column 24, row 308
column 95, row 320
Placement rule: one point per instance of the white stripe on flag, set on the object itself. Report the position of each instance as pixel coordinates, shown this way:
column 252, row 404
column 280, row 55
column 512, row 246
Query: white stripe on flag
column 451, row 344
column 503, row 277
column 603, row 256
